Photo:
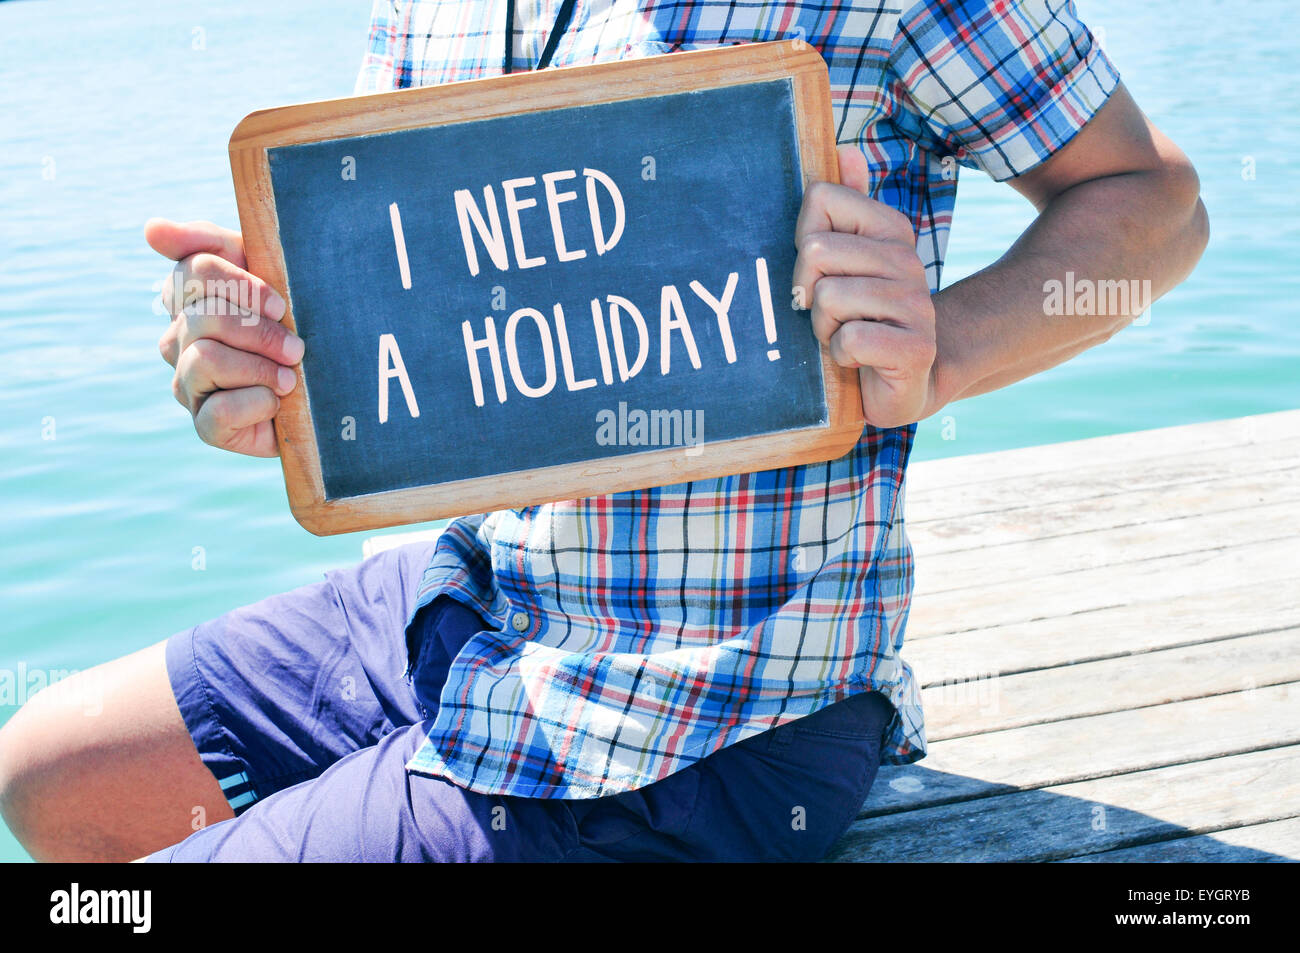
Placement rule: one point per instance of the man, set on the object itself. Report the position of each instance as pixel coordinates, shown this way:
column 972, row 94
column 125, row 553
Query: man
column 702, row 671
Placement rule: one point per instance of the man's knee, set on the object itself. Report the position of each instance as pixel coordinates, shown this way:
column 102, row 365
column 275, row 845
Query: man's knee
column 38, row 746
column 100, row 765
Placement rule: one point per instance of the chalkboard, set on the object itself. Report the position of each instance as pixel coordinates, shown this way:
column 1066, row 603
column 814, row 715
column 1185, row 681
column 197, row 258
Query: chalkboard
column 544, row 286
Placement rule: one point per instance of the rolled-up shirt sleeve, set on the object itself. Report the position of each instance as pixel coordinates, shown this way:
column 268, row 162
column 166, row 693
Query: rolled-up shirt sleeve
column 997, row 84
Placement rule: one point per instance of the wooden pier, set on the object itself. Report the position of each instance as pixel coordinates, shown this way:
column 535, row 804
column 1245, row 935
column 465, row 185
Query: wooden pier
column 1107, row 633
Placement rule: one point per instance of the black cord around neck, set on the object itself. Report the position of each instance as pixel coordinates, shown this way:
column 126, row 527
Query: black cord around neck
column 562, row 18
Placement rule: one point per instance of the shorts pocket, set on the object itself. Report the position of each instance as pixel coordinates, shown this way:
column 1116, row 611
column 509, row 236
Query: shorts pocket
column 838, row 746
column 642, row 825
column 433, row 640
column 867, row 759
column 866, row 714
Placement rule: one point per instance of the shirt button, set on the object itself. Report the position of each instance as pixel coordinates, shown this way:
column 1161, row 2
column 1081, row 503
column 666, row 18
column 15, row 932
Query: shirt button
column 519, row 621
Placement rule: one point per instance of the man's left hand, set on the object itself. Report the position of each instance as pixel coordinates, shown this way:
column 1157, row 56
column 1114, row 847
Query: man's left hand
column 858, row 270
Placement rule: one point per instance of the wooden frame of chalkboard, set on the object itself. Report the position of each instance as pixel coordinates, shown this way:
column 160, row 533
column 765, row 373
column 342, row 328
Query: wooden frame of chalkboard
column 356, row 501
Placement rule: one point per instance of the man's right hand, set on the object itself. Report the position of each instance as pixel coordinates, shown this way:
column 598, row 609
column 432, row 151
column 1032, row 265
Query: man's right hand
column 233, row 358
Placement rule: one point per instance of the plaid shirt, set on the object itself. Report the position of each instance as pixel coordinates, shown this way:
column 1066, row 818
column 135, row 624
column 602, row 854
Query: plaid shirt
column 641, row 631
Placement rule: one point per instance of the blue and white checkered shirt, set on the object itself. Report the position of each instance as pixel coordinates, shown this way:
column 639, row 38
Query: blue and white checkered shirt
column 642, row 631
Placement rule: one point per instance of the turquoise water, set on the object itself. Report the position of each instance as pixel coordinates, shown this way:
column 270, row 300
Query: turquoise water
column 124, row 528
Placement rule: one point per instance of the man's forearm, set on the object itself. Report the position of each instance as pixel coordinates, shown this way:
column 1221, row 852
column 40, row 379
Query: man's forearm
column 993, row 328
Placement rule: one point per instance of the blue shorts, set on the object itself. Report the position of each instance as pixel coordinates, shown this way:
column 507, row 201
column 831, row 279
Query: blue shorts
column 300, row 707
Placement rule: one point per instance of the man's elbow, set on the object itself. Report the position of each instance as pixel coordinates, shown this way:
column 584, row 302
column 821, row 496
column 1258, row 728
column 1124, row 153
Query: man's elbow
column 1177, row 231
column 1188, row 221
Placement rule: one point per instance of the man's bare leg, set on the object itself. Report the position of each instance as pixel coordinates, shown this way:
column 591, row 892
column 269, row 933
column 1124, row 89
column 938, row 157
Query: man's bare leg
column 100, row 766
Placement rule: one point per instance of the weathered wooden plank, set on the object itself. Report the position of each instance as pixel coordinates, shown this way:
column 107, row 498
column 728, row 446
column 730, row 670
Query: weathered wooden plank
column 1183, row 619
column 1124, row 507
column 1029, row 559
column 1272, row 842
column 1146, row 581
column 1097, row 746
column 1000, row 466
column 958, row 709
column 1088, row 816
column 1082, row 483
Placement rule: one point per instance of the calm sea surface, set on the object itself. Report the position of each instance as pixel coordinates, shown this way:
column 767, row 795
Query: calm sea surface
column 109, row 118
